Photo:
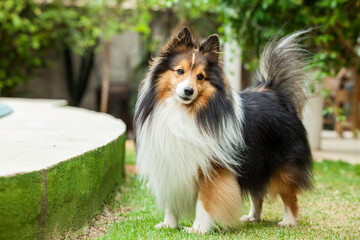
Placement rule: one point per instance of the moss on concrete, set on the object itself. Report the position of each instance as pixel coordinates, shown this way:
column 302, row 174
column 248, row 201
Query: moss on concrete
column 45, row 204
column 20, row 204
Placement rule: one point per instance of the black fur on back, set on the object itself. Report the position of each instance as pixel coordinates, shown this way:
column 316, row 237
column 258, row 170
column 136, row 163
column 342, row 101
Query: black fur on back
column 275, row 137
column 273, row 132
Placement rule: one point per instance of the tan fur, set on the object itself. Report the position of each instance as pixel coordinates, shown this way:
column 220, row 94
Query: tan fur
column 205, row 90
column 261, row 89
column 282, row 183
column 290, row 199
column 221, row 197
column 166, row 86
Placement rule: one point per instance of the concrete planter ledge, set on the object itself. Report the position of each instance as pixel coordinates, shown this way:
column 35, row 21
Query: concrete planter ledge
column 57, row 166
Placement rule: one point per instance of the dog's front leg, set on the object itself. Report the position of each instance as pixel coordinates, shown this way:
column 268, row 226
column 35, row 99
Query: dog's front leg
column 170, row 221
column 219, row 202
column 203, row 221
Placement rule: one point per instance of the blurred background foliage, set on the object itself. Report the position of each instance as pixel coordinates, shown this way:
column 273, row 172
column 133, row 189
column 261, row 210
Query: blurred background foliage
column 29, row 27
column 334, row 40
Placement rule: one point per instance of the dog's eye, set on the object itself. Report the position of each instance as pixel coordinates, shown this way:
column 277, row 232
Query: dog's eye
column 180, row 72
column 200, row 77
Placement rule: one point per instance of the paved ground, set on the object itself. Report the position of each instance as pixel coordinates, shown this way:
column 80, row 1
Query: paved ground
column 335, row 148
column 41, row 133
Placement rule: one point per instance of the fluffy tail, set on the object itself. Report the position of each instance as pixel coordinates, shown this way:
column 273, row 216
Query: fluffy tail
column 282, row 68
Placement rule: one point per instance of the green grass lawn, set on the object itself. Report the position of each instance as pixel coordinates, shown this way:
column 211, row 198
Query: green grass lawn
column 330, row 211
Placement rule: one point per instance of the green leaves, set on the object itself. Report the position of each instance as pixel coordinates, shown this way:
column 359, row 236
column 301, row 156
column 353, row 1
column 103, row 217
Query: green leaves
column 333, row 40
column 29, row 29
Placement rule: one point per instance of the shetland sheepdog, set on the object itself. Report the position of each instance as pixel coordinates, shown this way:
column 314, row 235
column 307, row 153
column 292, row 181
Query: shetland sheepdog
column 202, row 147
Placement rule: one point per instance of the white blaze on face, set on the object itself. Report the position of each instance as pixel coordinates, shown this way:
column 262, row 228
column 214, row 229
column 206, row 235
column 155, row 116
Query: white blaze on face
column 193, row 61
column 181, row 86
column 180, row 92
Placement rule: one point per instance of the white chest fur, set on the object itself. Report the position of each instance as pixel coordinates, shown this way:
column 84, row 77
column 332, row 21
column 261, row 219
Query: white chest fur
column 171, row 151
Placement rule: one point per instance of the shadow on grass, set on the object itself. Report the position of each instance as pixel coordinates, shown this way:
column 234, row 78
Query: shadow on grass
column 269, row 224
column 251, row 226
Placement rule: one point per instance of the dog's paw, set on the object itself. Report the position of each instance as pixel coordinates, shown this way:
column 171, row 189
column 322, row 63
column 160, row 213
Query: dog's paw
column 165, row 225
column 285, row 223
column 247, row 218
column 197, row 228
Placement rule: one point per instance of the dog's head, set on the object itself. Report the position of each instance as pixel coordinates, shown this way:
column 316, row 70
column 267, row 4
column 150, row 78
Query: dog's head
column 189, row 71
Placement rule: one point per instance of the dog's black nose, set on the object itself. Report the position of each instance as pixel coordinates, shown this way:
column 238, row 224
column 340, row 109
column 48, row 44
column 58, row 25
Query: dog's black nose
column 188, row 91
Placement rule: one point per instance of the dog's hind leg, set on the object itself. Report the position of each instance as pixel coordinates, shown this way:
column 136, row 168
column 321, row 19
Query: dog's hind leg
column 291, row 209
column 282, row 183
column 255, row 209
column 219, row 201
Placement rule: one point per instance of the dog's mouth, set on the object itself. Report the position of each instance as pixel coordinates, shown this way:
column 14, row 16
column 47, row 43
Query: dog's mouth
column 183, row 99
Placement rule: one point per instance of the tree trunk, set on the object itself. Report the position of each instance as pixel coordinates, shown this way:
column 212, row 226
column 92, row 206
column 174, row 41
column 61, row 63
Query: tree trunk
column 77, row 83
column 106, row 78
column 356, row 101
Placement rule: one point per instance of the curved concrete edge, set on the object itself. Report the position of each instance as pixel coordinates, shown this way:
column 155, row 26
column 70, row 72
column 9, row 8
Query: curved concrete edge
column 45, row 204
column 43, row 101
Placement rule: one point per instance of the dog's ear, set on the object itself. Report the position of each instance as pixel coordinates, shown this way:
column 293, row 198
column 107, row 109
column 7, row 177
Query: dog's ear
column 183, row 39
column 210, row 47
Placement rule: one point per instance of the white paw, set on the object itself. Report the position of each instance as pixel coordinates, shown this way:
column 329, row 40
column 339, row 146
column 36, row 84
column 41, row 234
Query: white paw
column 247, row 218
column 197, row 228
column 287, row 223
column 165, row 225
